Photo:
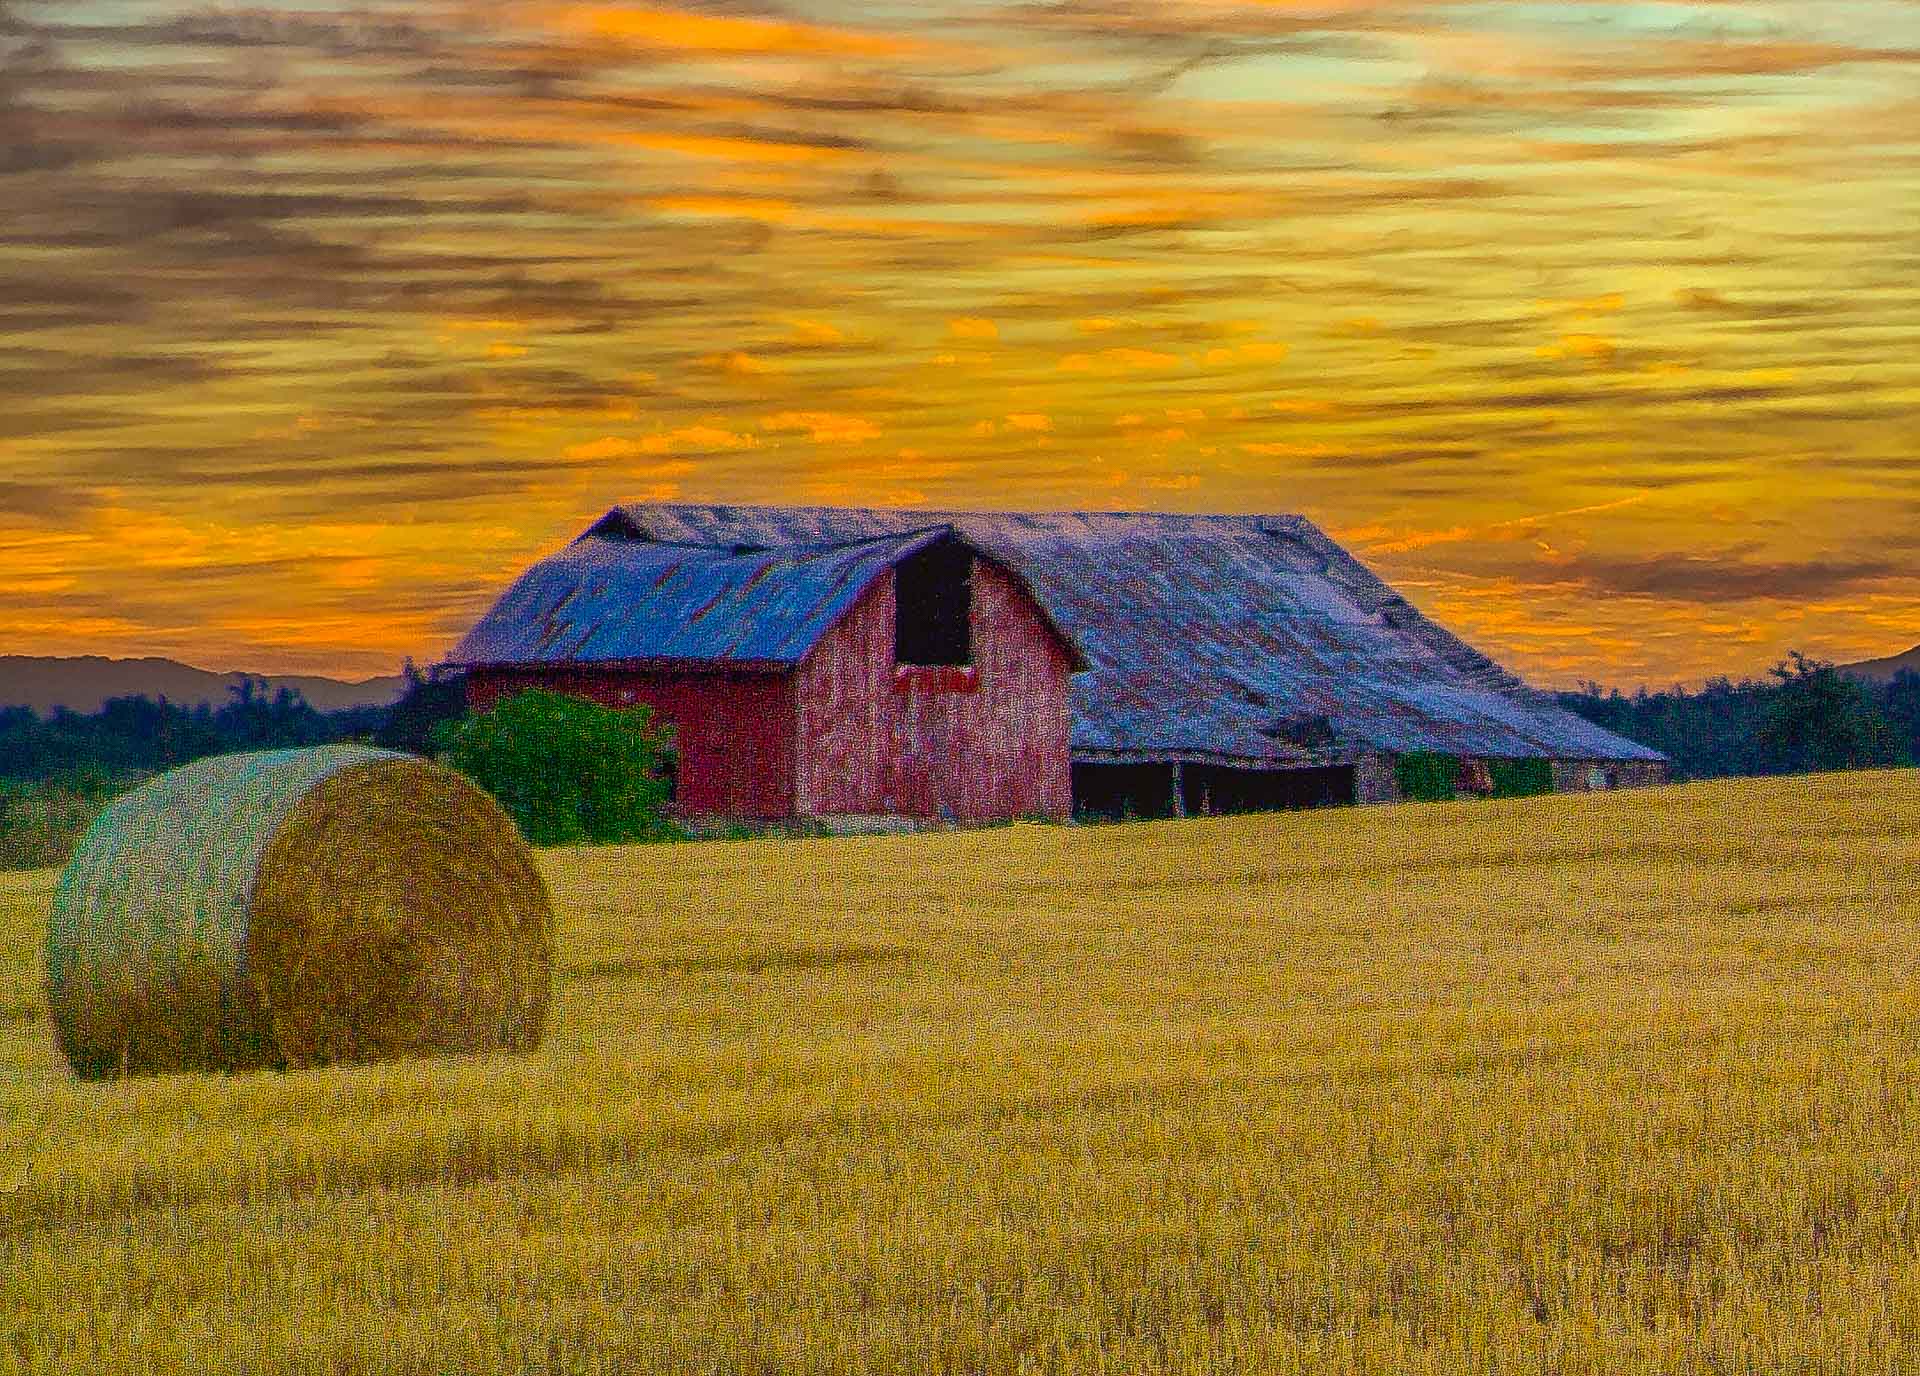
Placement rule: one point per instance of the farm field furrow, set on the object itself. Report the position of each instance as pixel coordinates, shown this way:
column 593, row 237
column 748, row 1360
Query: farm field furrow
column 1607, row 1083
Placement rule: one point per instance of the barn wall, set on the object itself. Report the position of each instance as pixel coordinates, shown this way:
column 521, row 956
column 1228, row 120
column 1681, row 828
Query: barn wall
column 1374, row 780
column 734, row 731
column 989, row 741
column 1586, row 776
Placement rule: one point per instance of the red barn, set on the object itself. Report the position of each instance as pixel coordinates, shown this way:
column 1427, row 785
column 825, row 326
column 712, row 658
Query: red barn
column 858, row 660
column 909, row 674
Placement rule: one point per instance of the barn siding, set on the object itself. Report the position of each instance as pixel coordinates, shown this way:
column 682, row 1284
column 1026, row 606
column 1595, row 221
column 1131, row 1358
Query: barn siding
column 734, row 731
column 976, row 746
column 1374, row 780
column 1584, row 776
column 1377, row 783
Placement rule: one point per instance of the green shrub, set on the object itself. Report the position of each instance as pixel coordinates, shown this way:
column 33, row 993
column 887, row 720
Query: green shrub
column 1520, row 778
column 565, row 769
column 1426, row 776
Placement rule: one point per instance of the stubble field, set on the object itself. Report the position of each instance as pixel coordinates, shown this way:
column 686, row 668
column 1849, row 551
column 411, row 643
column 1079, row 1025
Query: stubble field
column 1620, row 1083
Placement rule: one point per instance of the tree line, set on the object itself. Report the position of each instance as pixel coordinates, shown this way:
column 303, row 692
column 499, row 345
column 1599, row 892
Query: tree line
column 130, row 737
column 1805, row 716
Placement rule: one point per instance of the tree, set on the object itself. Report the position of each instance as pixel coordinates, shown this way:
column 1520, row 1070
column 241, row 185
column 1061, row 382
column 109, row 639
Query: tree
column 1818, row 718
column 565, row 769
column 429, row 699
column 150, row 734
column 253, row 720
column 1901, row 701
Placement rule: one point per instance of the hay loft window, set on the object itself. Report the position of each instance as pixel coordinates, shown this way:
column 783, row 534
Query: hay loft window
column 933, row 606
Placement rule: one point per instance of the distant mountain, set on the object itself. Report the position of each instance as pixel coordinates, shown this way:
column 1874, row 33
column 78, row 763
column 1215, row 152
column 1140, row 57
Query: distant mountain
column 1883, row 670
column 84, row 682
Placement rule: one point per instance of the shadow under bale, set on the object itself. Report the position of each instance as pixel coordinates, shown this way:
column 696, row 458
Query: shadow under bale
column 296, row 908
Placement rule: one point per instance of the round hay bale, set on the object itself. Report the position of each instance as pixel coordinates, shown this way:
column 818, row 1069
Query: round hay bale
column 295, row 908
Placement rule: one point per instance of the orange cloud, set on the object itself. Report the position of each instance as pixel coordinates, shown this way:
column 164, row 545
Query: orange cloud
column 823, row 427
column 1279, row 449
column 729, row 149
column 1610, row 304
column 735, row 363
column 698, row 438
column 1591, row 348
column 1119, row 361
column 485, row 326
column 686, row 31
column 764, row 209
column 817, row 332
column 1257, row 351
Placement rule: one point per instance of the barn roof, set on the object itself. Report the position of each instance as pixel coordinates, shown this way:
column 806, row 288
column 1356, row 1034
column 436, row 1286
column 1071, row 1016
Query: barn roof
column 620, row 599
column 1234, row 639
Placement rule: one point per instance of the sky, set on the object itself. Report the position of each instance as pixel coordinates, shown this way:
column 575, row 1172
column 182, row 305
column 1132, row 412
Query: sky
column 1593, row 325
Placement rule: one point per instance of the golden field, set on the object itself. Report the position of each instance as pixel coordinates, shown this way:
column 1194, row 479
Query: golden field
column 1611, row 1083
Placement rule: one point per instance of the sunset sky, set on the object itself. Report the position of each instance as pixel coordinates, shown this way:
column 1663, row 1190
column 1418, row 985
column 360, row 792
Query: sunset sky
column 1593, row 327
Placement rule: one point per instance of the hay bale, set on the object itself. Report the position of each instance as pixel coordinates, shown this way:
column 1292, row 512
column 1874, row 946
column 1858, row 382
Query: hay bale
column 295, row 908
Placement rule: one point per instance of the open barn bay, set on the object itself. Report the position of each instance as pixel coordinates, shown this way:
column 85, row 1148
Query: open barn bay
column 1605, row 1083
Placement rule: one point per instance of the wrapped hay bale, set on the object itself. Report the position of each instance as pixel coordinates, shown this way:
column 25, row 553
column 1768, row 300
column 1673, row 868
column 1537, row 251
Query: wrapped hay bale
column 294, row 908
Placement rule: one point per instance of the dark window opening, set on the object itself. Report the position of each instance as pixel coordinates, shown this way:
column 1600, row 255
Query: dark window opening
column 670, row 774
column 1146, row 791
column 933, row 606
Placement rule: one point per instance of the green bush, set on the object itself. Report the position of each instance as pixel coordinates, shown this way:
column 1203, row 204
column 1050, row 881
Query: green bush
column 1521, row 778
column 565, row 769
column 1426, row 776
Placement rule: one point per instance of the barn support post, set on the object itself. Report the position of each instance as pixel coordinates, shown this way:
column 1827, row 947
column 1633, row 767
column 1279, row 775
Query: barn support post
column 1179, row 789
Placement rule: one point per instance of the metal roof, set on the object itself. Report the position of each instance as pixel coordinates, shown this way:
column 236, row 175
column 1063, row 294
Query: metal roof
column 614, row 599
column 1237, row 639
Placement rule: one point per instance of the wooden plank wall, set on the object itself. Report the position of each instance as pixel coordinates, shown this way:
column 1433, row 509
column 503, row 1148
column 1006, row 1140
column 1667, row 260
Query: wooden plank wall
column 938, row 742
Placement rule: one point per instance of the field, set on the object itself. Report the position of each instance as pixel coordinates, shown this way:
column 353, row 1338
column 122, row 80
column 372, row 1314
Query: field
column 41, row 822
column 1615, row 1083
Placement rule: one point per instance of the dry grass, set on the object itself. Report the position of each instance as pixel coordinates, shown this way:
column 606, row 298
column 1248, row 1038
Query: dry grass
column 1621, row 1083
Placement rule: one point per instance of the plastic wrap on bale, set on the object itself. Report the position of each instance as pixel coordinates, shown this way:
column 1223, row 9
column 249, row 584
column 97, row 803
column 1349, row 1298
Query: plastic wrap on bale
column 295, row 908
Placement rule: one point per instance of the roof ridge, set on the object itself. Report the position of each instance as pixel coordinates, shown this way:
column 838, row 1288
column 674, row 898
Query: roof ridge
column 626, row 507
column 738, row 550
